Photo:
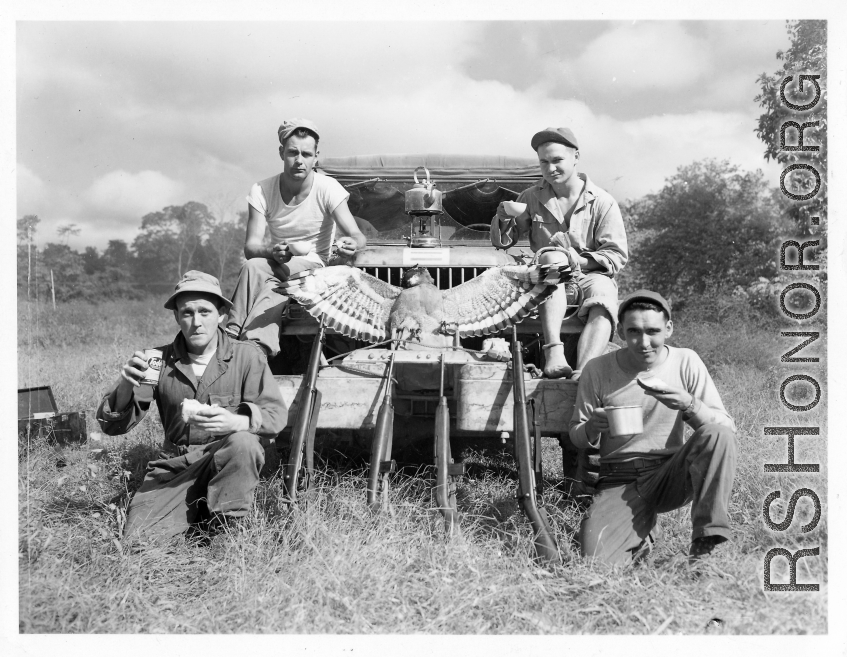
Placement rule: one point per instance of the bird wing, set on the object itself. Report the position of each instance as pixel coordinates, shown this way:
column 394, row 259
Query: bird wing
column 501, row 296
column 352, row 302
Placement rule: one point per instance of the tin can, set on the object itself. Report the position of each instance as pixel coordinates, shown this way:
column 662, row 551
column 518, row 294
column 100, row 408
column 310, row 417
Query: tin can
column 625, row 420
column 153, row 358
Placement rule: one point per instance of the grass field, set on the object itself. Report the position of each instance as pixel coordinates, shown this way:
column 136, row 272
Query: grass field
column 331, row 566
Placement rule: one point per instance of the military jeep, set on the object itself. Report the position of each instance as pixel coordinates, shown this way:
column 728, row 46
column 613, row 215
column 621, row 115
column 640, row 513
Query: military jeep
column 455, row 247
column 335, row 383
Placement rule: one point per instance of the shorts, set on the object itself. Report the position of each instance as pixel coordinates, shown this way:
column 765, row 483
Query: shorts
column 598, row 290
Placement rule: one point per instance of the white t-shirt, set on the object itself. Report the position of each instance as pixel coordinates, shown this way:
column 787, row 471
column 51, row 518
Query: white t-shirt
column 199, row 362
column 310, row 220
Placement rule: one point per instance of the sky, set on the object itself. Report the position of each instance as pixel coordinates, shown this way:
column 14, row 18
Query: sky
column 117, row 119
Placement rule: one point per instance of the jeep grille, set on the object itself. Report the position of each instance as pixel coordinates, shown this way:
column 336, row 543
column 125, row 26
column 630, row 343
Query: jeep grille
column 444, row 277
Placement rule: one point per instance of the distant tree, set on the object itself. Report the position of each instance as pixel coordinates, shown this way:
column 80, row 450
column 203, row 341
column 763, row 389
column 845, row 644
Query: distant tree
column 118, row 255
column 92, row 261
column 68, row 268
column 65, row 232
column 712, row 226
column 225, row 246
column 27, row 226
column 806, row 55
column 169, row 239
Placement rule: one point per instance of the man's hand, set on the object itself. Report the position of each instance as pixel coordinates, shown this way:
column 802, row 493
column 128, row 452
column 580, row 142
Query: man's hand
column 346, row 246
column 280, row 253
column 597, row 423
column 219, row 421
column 131, row 374
column 133, row 370
column 677, row 399
column 562, row 240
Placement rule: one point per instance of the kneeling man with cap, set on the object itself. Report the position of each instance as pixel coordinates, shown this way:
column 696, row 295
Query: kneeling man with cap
column 656, row 470
column 578, row 222
column 216, row 398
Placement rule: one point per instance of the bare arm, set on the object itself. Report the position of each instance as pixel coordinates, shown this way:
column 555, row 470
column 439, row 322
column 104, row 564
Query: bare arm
column 352, row 238
column 255, row 245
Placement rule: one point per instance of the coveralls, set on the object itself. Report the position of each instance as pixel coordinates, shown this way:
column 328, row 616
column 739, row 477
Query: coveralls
column 200, row 475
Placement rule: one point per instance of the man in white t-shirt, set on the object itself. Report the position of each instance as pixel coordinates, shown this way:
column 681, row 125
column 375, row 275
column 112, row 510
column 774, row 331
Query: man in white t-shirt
column 302, row 209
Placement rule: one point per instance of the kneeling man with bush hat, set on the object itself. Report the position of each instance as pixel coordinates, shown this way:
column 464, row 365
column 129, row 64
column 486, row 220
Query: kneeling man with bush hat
column 655, row 470
column 216, row 399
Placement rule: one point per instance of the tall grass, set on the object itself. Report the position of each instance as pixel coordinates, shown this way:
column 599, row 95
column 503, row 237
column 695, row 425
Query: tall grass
column 329, row 565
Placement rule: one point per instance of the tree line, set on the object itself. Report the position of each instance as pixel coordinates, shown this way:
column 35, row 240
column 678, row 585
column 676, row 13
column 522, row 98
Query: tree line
column 169, row 243
column 712, row 226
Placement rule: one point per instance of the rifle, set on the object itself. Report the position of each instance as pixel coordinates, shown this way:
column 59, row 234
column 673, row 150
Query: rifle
column 303, row 432
column 529, row 468
column 381, row 463
column 446, row 472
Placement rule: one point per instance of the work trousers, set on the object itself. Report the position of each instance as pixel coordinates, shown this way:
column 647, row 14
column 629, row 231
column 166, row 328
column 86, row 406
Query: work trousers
column 623, row 513
column 209, row 480
column 256, row 307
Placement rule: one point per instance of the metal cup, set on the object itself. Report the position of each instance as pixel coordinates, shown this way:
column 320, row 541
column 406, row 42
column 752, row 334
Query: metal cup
column 624, row 420
column 153, row 358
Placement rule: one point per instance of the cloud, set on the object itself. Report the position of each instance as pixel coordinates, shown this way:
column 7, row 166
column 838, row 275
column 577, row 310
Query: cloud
column 627, row 157
column 106, row 135
column 133, row 195
column 644, row 55
column 31, row 190
column 634, row 69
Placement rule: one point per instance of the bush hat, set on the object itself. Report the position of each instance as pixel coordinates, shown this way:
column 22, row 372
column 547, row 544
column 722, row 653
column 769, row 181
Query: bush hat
column 197, row 281
column 559, row 135
column 643, row 295
column 290, row 125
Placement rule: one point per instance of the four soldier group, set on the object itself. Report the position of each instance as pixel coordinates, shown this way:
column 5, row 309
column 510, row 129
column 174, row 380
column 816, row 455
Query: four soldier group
column 214, row 445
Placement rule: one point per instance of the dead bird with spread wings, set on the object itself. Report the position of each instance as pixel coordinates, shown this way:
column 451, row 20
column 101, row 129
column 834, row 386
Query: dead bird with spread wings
column 363, row 307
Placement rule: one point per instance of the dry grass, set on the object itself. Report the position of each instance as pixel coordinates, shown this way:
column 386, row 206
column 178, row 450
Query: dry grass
column 331, row 566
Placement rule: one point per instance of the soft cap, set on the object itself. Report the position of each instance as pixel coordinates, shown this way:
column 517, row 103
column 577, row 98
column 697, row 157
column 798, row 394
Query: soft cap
column 643, row 295
column 290, row 125
column 197, row 281
column 559, row 135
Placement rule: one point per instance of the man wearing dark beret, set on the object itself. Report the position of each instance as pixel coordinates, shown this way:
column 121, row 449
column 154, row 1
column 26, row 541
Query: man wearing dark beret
column 583, row 223
column 633, row 405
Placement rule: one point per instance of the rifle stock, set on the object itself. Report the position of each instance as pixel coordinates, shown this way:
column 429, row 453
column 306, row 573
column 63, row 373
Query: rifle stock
column 303, row 432
column 445, row 495
column 544, row 540
column 381, row 445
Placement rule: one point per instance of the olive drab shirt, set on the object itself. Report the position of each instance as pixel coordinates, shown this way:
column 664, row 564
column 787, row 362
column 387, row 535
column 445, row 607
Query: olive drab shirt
column 595, row 226
column 237, row 379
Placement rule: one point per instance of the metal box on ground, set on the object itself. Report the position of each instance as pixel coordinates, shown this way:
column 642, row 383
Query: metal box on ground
column 38, row 415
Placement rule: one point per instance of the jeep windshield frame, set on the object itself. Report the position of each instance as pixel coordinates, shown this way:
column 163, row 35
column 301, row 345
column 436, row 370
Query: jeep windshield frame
column 472, row 187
